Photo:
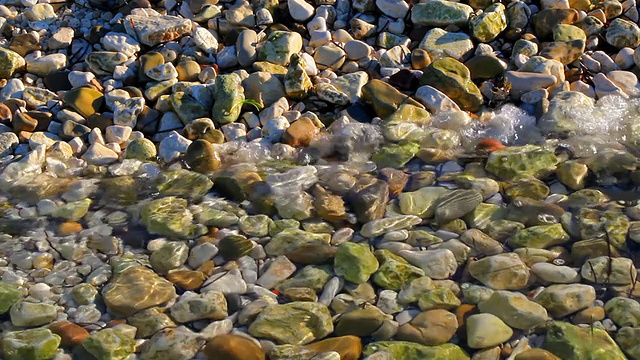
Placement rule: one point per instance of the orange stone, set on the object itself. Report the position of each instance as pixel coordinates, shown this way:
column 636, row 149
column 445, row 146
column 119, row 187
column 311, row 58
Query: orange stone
column 116, row 322
column 187, row 279
column 300, row 133
column 349, row 347
column 69, row 228
column 207, row 268
column 464, row 311
column 70, row 333
column 489, row 145
column 233, row 347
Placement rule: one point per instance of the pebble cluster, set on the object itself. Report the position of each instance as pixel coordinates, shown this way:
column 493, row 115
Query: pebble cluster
column 323, row 180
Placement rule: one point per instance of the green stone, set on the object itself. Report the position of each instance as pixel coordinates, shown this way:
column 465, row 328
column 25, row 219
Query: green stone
column 521, row 160
column 104, row 62
column 627, row 339
column 360, row 322
column 85, row 100
column 10, row 61
column 149, row 322
column 168, row 216
column 312, row 276
column 438, row 298
column 406, row 350
column 218, row 218
column 489, row 24
column 611, row 224
column 566, row 32
column 571, row 342
column 29, row 314
column 623, row 33
column 186, row 107
column 171, row 255
column 561, row 300
column 295, row 323
column 440, row 14
column 9, row 295
column 456, row 204
column 394, row 155
column 623, row 311
column 32, row 344
column 73, row 211
column 110, row 344
column 141, row 149
column 279, row 47
column 183, row 183
column 454, row 80
column 291, row 239
column 421, row 202
column 84, row 294
column 539, row 237
column 233, row 247
column 394, row 271
column 441, row 44
column 229, row 94
column 563, row 114
column 525, row 186
column 483, row 215
column 355, row 262
column 256, row 225
column 384, row 98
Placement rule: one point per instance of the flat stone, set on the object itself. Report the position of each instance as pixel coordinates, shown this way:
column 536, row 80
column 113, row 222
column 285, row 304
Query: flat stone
column 152, row 31
column 501, row 272
column 30, row 344
column 135, row 289
column 514, row 309
column 295, row 323
column 486, row 330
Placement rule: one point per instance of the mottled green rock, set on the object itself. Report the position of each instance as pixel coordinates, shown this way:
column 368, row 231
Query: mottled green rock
column 421, row 202
column 613, row 271
column 539, row 237
column 394, row 271
column 454, row 80
column 623, row 311
column 141, row 149
column 355, row 262
column 501, row 272
column 229, row 93
column 104, row 62
column 623, row 33
column 32, row 344
column 489, row 24
column 295, row 323
column 279, row 47
column 521, row 160
column 9, row 295
column 627, row 339
column 84, row 294
column 394, row 155
column 438, row 298
column 292, row 239
column 171, row 255
column 440, row 44
column 74, row 210
column 183, row 183
column 109, row 344
column 10, row 61
column 611, row 224
column 149, row 322
column 561, row 300
column 168, row 216
column 187, row 107
column 571, row 342
column 384, row 98
column 440, row 13
column 312, row 276
column 217, row 218
column 566, row 32
column 406, row 350
column 28, row 314
column 360, row 322
column 233, row 247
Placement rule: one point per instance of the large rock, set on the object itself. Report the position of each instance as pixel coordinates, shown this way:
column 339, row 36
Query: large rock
column 174, row 343
column 233, row 347
column 514, row 309
column 606, row 270
column 183, row 183
column 135, row 289
column 9, row 295
column 521, row 160
column 489, row 24
column 571, row 342
column 394, row 271
column 486, row 330
column 279, row 47
column 32, row 344
column 384, row 98
column 623, row 311
column 539, row 237
column 623, row 33
column 30, row 314
column 501, row 272
column 453, row 79
column 110, row 344
column 294, row 323
column 229, row 94
column 369, row 198
column 563, row 300
column 355, row 262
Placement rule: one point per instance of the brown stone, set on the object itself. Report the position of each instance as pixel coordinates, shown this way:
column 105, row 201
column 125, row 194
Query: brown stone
column 99, row 121
column 300, row 133
column 464, row 311
column 564, row 51
column 328, row 206
column 24, row 44
column 349, row 347
column 536, row 354
column 43, row 119
column 24, row 122
column 188, row 70
column 432, row 327
column 312, row 254
column 300, row 294
column 15, row 105
column 57, row 81
column 187, row 279
column 420, row 59
column 546, row 19
column 5, row 114
column 397, row 180
column 202, row 156
column 589, row 315
column 233, row 347
column 369, row 198
column 70, row 333
column 207, row 268
column 69, row 228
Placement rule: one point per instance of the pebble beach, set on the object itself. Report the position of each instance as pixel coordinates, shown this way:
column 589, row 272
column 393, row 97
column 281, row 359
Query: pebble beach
column 321, row 180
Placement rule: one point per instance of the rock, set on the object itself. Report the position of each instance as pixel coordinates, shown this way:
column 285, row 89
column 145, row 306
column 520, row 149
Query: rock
column 70, row 334
column 9, row 295
column 141, row 149
column 229, row 95
column 623, row 33
column 208, row 305
column 514, row 309
column 524, row 160
column 31, row 344
column 551, row 273
column 109, row 344
column 28, row 314
column 384, row 98
column 623, row 311
column 421, row 202
column 176, row 343
column 279, row 270
column 154, row 30
column 263, row 87
column 279, row 47
column 355, row 262
column 627, row 339
column 438, row 298
column 563, row 300
column 432, row 327
column 233, row 247
column 546, row 19
column 440, row 13
column 360, row 322
column 98, row 154
column 47, row 64
column 294, row 323
column 606, row 270
column 186, row 107
column 564, row 51
column 202, row 157
column 485, row 67
column 486, row 330
column 539, row 237
column 524, row 82
column 453, row 79
column 394, row 271
column 11, row 62
column 456, row 204
column 168, row 216
column 489, row 24
column 378, row 227
column 501, row 272
column 24, row 44
column 572, row 342
column 411, row 351
column 169, row 256
column 233, row 347
column 85, row 100
column 135, row 289
column 536, row 354
column 437, row 263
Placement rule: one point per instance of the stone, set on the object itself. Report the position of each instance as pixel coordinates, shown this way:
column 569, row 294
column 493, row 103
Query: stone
column 360, row 322
column 539, row 237
column 486, row 330
column 210, row 305
column 186, row 107
column 536, row 354
column 295, row 323
column 70, row 334
column 168, row 216
column 378, row 227
column 233, row 247
column 263, row 87
column 438, row 298
column 28, row 314
column 572, row 342
column 135, row 289
column 432, row 327
column 564, row 51
column 11, row 62
column 514, row 309
column 623, row 33
column 32, row 344
column 154, row 30
column 525, row 160
column 412, row 351
column 109, row 344
column 563, row 300
column 440, row 13
column 606, row 270
column 623, row 311
column 440, row 44
column 150, row 321
column 545, row 21
column 85, row 100
column 47, row 64
column 176, row 343
column 24, row 44
column 627, row 338
column 229, row 95
column 104, row 62
column 384, row 98
column 169, row 256
column 551, row 273
column 202, row 157
column 437, row 264
column 9, row 295
column 355, row 262
column 141, row 149
column 453, row 79
column 489, row 24
column 501, row 272
column 279, row 47
column 233, row 347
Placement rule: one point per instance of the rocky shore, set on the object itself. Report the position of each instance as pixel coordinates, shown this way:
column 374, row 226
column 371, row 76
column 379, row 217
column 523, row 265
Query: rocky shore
column 323, row 180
